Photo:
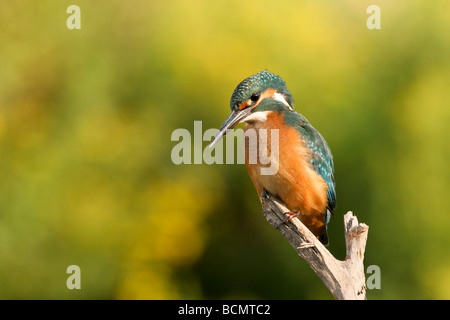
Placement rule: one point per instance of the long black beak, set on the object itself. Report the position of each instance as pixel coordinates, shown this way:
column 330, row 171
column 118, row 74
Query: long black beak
column 233, row 119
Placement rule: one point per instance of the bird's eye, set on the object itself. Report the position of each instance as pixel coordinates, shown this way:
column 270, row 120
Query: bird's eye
column 255, row 96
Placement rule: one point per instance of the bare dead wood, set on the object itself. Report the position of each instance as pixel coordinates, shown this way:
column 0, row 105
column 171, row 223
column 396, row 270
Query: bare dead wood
column 345, row 279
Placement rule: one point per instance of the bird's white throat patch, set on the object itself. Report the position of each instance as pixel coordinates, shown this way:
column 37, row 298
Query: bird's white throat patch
column 259, row 116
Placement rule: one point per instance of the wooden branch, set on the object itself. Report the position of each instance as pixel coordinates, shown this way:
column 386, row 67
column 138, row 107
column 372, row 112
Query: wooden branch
column 345, row 279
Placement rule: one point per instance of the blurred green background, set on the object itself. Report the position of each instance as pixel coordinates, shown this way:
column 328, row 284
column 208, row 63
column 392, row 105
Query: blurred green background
column 86, row 118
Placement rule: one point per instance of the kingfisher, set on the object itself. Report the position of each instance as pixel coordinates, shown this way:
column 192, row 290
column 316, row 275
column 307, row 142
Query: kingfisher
column 304, row 181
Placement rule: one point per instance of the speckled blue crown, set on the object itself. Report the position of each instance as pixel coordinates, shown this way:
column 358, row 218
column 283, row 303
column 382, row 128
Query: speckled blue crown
column 258, row 82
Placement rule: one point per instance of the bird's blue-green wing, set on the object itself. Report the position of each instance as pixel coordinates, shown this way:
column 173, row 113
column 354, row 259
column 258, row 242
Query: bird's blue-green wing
column 321, row 158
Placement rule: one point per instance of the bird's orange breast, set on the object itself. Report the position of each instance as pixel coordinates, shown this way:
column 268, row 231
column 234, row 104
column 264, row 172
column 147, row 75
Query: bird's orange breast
column 295, row 183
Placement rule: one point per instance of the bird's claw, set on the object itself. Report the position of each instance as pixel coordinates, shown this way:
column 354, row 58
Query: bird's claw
column 290, row 216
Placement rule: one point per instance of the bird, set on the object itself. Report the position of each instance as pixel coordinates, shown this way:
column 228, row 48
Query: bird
column 304, row 180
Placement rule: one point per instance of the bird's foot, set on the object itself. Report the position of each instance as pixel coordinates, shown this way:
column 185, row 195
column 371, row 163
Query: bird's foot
column 291, row 215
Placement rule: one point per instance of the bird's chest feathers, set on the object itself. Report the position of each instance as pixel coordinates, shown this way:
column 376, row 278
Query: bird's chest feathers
column 265, row 146
column 295, row 181
column 261, row 139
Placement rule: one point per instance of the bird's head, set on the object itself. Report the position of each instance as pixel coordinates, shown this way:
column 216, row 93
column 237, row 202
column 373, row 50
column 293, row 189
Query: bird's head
column 258, row 93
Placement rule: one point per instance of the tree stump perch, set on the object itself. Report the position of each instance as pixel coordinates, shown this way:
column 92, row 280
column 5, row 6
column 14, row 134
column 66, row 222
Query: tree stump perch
column 345, row 279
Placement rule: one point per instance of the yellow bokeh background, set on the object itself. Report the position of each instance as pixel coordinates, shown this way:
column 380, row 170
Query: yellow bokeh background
column 86, row 118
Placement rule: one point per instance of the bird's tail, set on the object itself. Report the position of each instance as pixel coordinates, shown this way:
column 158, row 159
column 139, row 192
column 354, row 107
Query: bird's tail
column 324, row 236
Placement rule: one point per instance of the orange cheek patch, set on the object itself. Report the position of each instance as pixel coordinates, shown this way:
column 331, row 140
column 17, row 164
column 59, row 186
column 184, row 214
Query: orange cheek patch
column 244, row 105
column 267, row 94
